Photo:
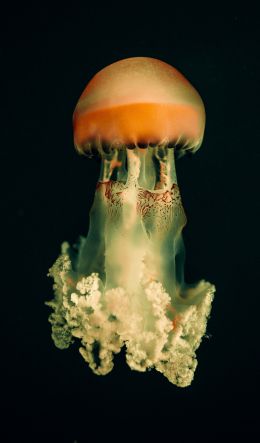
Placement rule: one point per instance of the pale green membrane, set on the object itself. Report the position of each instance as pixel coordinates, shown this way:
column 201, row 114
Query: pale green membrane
column 124, row 284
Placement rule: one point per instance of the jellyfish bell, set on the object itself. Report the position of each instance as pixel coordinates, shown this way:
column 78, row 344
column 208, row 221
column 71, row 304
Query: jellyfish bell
column 124, row 283
column 139, row 100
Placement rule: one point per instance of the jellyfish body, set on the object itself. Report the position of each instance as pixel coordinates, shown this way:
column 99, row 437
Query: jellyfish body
column 123, row 285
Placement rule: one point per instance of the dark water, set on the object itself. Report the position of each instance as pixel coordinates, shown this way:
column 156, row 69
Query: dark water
column 48, row 55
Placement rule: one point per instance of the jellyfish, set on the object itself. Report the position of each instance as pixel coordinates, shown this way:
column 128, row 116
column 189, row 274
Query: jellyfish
column 123, row 286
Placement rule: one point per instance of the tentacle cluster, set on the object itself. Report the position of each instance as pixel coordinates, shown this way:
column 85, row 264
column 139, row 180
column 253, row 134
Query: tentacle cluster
column 124, row 283
column 105, row 321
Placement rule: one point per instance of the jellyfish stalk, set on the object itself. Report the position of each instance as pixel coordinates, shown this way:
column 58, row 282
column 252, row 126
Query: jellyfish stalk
column 123, row 285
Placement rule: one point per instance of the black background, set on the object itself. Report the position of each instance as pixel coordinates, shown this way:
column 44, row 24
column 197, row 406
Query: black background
column 49, row 53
